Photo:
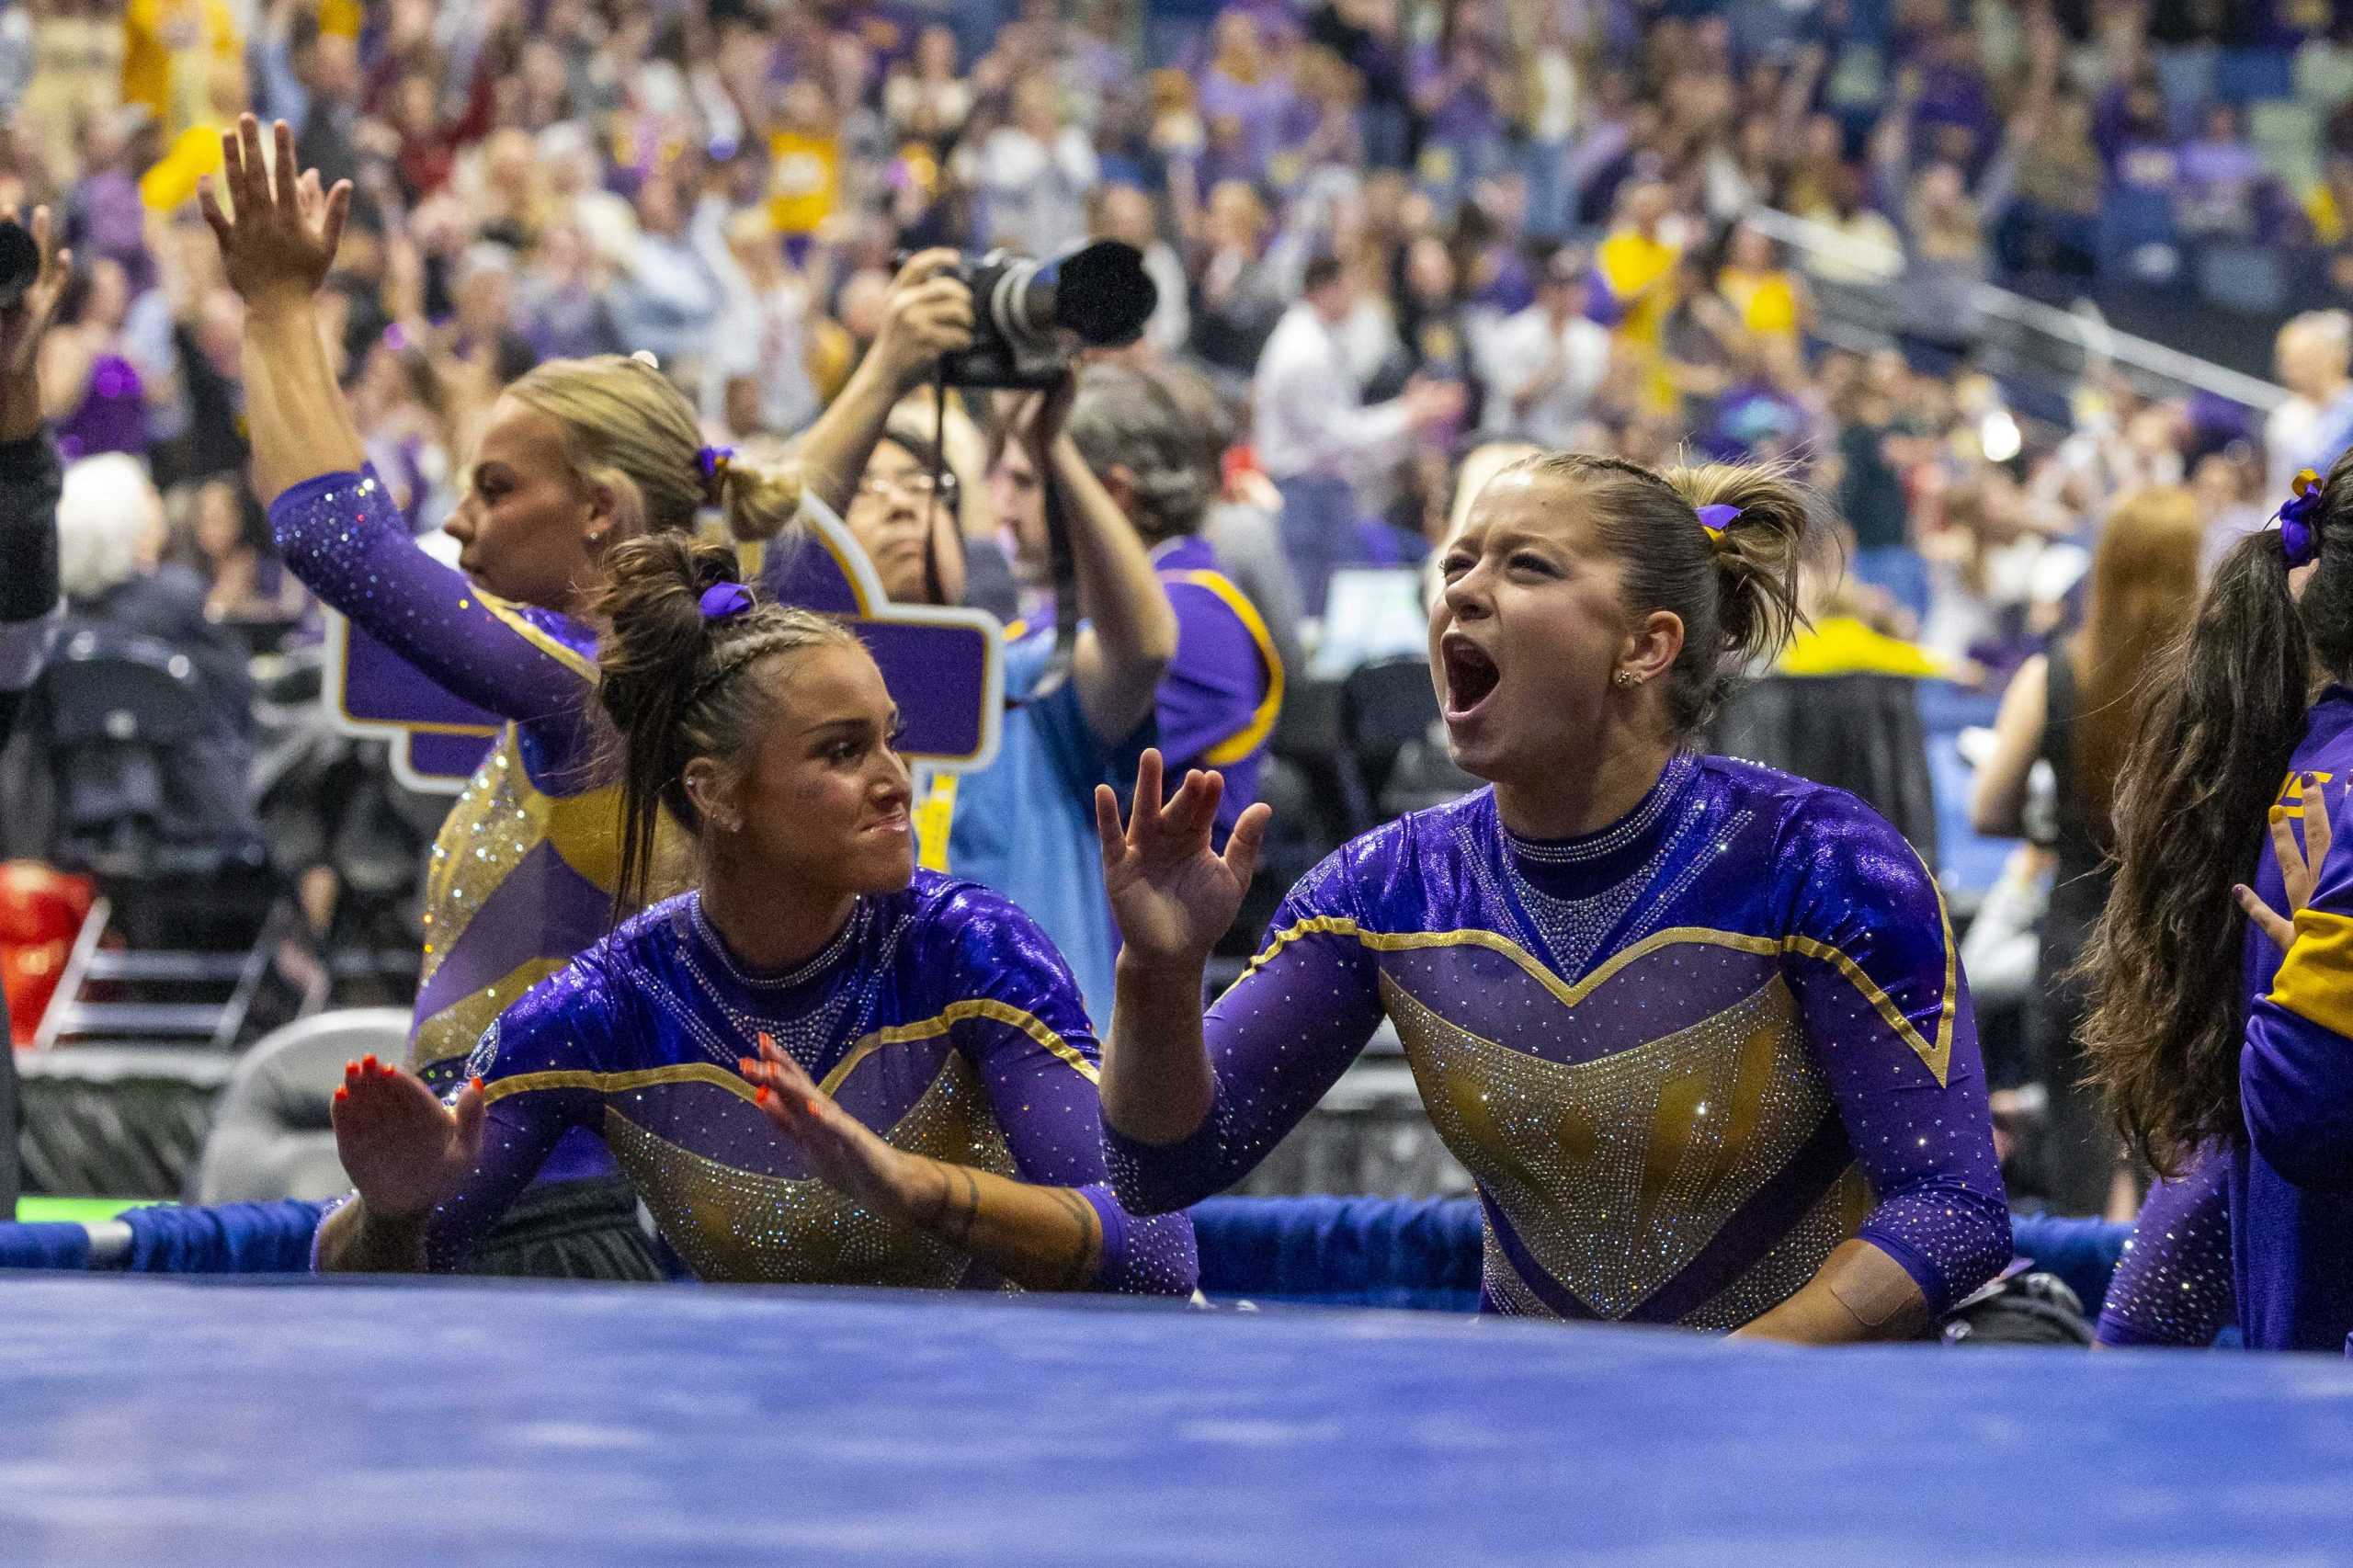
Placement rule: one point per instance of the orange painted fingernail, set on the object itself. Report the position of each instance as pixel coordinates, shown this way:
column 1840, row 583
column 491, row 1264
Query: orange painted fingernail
column 813, row 1104
column 745, row 1064
column 368, row 1062
column 343, row 1093
column 761, row 1097
column 476, row 1083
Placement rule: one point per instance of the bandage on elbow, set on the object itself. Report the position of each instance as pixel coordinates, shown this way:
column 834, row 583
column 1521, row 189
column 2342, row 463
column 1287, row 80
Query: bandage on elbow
column 1871, row 1285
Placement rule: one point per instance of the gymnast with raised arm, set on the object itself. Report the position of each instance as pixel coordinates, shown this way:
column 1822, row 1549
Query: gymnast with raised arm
column 820, row 1066
column 576, row 458
column 1696, row 1028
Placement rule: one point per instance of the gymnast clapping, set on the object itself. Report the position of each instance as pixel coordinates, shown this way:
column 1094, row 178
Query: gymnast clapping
column 821, row 1065
column 1696, row 1028
column 575, row 458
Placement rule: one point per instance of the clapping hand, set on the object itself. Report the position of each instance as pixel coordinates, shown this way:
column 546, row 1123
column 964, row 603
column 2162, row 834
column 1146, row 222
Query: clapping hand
column 842, row 1152
column 401, row 1146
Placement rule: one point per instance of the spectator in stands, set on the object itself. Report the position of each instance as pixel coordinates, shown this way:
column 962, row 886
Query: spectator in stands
column 1237, row 295
column 668, row 300
column 924, row 97
column 1876, row 448
column 1224, row 685
column 96, row 397
column 111, row 533
column 564, row 308
column 1313, row 437
column 757, row 379
column 1636, row 264
column 1119, row 211
column 1755, row 281
column 247, row 585
column 2222, row 178
column 2075, row 707
column 1243, row 97
column 1022, row 825
column 1036, row 172
column 1546, row 363
column 2314, row 358
column 1997, row 579
column 1868, row 249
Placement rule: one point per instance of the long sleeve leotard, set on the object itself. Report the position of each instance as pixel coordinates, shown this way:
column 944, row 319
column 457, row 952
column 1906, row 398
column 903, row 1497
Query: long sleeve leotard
column 1684, row 1057
column 940, row 1017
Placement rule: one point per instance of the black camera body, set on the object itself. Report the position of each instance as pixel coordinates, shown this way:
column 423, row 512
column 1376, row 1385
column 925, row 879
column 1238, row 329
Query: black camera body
column 19, row 262
column 1029, row 317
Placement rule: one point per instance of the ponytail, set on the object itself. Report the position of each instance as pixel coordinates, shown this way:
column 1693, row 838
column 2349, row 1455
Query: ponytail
column 670, row 678
column 1757, row 552
column 628, row 428
column 2164, row 966
column 1734, row 586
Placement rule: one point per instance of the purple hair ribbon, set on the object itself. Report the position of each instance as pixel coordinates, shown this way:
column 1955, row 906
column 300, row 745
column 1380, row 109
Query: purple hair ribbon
column 1718, row 517
column 722, row 600
column 2299, row 521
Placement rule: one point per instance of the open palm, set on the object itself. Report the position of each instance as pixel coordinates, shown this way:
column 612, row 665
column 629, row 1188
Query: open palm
column 280, row 231
column 403, row 1148
column 1172, row 894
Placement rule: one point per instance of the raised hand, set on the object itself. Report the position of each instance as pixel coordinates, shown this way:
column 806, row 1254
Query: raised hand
column 401, row 1146
column 2299, row 869
column 1172, row 894
column 21, row 324
column 845, row 1154
column 280, row 234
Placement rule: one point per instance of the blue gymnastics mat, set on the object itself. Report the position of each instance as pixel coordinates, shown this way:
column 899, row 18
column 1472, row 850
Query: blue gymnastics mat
column 152, row 1420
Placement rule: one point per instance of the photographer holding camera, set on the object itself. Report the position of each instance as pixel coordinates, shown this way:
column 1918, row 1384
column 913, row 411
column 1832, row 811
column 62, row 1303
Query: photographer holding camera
column 1079, row 707
column 1154, row 442
column 1077, row 715
column 32, row 275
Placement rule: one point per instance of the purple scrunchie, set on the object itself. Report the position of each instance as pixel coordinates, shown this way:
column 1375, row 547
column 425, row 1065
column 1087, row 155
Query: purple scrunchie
column 1718, row 517
column 711, row 462
column 722, row 601
column 2299, row 525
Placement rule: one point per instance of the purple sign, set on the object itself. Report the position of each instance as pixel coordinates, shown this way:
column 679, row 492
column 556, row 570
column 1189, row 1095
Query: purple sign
column 944, row 666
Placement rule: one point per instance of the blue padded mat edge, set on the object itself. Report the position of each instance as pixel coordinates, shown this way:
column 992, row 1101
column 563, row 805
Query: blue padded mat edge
column 162, row 1420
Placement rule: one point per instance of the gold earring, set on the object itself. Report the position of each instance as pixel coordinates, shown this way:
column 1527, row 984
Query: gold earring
column 1628, row 677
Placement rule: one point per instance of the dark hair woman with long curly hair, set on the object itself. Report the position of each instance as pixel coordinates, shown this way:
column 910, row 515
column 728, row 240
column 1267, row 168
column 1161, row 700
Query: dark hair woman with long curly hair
column 2222, row 1040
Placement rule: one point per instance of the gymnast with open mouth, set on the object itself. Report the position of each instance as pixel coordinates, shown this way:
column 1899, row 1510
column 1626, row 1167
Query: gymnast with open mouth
column 822, row 1065
column 1696, row 1028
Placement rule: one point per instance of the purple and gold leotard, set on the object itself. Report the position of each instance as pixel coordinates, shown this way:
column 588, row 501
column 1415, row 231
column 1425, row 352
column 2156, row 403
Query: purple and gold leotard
column 525, row 864
column 2173, row 1285
column 1685, row 1058
column 940, row 1017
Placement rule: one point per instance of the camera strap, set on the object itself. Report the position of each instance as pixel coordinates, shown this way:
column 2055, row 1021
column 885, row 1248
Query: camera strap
column 1064, row 561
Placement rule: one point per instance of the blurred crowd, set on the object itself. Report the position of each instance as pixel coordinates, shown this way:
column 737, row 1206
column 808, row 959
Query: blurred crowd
column 1384, row 234
column 1526, row 220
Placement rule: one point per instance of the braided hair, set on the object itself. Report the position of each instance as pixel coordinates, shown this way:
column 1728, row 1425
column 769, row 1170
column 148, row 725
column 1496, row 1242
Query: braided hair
column 682, row 634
